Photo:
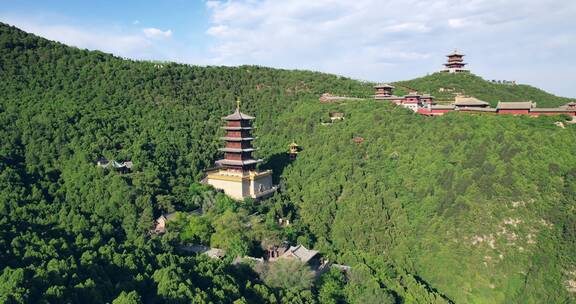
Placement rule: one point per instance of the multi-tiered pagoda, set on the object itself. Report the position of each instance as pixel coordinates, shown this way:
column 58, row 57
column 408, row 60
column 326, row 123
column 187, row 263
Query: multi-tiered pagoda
column 383, row 91
column 236, row 173
column 455, row 63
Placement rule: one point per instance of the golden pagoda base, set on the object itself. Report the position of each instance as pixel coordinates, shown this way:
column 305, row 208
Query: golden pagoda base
column 240, row 185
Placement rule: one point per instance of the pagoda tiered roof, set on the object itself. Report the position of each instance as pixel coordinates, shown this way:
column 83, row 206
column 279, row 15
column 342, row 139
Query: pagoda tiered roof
column 455, row 63
column 455, row 54
column 238, row 138
column 237, row 173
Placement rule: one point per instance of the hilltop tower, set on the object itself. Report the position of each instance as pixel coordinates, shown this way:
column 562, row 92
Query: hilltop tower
column 455, row 63
column 236, row 173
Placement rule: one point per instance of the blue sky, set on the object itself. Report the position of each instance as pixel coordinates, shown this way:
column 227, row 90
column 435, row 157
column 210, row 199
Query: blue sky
column 530, row 41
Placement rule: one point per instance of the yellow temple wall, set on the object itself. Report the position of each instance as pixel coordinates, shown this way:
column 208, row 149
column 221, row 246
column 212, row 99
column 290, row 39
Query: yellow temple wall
column 240, row 186
column 235, row 189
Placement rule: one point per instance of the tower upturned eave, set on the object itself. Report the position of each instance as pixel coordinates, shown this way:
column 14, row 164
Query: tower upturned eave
column 237, row 115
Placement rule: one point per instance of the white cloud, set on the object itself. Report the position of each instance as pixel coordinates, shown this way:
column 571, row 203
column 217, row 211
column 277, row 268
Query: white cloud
column 456, row 22
column 408, row 27
column 155, row 33
column 390, row 40
column 219, row 30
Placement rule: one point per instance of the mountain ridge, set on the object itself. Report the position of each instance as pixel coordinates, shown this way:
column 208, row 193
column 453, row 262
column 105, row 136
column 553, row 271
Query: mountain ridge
column 466, row 83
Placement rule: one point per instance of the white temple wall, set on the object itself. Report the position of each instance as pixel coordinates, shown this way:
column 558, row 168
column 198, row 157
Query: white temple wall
column 260, row 184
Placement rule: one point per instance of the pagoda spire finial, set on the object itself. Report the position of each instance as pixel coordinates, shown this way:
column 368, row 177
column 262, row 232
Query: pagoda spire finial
column 238, row 104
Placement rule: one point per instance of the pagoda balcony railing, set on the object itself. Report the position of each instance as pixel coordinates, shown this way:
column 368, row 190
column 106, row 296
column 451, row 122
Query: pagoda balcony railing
column 237, row 150
column 228, row 138
column 237, row 128
column 238, row 162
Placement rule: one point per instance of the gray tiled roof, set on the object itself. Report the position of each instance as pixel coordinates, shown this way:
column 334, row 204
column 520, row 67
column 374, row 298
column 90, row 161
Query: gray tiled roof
column 442, row 107
column 552, row 110
column 301, row 252
column 516, row 105
column 469, row 101
column 478, row 109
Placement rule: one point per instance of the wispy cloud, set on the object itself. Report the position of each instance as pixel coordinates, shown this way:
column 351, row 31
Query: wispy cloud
column 155, row 33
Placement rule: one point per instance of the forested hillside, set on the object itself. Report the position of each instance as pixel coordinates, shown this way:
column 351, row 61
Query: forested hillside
column 480, row 207
column 464, row 209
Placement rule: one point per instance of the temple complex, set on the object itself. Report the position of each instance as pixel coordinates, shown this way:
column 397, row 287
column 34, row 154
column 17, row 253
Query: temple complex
column 426, row 105
column 455, row 63
column 236, row 173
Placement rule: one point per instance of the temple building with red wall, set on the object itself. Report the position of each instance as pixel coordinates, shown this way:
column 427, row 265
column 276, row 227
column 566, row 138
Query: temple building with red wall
column 426, row 105
column 236, row 173
column 412, row 100
column 503, row 108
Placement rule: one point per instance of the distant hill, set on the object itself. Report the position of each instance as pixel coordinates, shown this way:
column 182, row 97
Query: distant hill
column 451, row 209
column 444, row 85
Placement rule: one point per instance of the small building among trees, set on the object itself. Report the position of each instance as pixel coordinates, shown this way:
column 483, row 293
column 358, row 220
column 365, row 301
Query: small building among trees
column 161, row 222
column 336, row 116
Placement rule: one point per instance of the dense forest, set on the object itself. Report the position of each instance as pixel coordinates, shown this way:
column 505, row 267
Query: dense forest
column 452, row 209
